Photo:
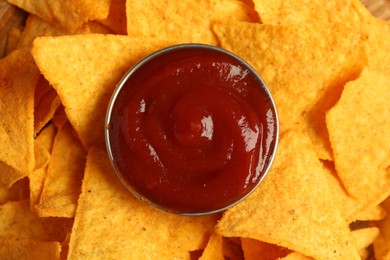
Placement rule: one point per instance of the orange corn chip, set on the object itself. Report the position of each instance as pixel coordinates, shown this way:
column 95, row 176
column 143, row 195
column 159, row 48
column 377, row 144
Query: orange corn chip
column 116, row 19
column 295, row 256
column 285, row 58
column 18, row 77
column 213, row 250
column 108, row 213
column 62, row 184
column 358, row 126
column 70, row 14
column 17, row 220
column 42, row 146
column 253, row 249
column 46, row 103
column 364, row 237
column 381, row 244
column 84, row 70
column 279, row 208
column 187, row 21
column 26, row 249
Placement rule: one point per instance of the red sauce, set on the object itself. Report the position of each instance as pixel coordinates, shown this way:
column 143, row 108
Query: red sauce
column 192, row 130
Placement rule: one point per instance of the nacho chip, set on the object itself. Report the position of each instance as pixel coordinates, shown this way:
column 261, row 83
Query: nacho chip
column 60, row 118
column 13, row 38
column 46, row 103
column 254, row 249
column 381, row 244
column 285, row 58
column 281, row 12
column 213, row 250
column 359, row 133
column 111, row 223
column 70, row 14
column 8, row 194
column 295, row 186
column 42, row 146
column 116, row 19
column 17, row 220
column 18, row 77
column 295, row 256
column 188, row 21
column 26, row 249
column 62, row 184
column 84, row 70
column 364, row 237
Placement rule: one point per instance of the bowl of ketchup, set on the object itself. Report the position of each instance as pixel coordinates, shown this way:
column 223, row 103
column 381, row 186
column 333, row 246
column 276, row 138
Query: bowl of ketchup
column 191, row 129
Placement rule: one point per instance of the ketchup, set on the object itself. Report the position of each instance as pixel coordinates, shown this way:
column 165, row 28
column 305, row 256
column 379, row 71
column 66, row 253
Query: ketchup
column 192, row 129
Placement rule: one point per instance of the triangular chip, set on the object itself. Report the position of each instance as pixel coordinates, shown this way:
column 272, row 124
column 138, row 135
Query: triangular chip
column 43, row 145
column 294, row 200
column 25, row 249
column 116, row 19
column 187, row 21
column 70, row 14
column 62, row 184
column 253, row 249
column 359, row 133
column 297, row 74
column 382, row 243
column 107, row 212
column 18, row 78
column 309, row 12
column 213, row 250
column 84, row 70
column 17, row 220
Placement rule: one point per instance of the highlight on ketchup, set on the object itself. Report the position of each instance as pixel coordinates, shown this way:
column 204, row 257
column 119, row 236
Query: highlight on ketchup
column 191, row 129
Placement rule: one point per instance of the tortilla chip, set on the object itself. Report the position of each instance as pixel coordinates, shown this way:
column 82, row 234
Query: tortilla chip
column 26, row 249
column 253, row 249
column 46, row 103
column 8, row 194
column 116, row 19
column 108, row 214
column 60, row 118
column 36, row 27
column 295, row 256
column 17, row 220
column 70, row 14
column 43, row 146
column 381, row 244
column 293, row 199
column 378, row 44
column 359, row 133
column 213, row 250
column 188, row 21
column 18, row 77
column 13, row 38
column 364, row 237
column 281, row 12
column 285, row 58
column 62, row 184
column 84, row 70
column 368, row 214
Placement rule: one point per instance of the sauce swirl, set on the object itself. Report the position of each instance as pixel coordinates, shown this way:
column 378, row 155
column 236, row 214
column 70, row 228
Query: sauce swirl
column 192, row 129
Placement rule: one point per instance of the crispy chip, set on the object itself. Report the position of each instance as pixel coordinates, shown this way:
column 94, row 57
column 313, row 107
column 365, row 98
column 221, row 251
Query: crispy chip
column 17, row 220
column 62, row 184
column 295, row 256
column 111, row 223
column 253, row 249
column 213, row 250
column 295, row 186
column 301, row 11
column 46, row 103
column 364, row 237
column 381, row 244
column 70, row 14
column 8, row 194
column 188, row 21
column 26, row 249
column 42, row 146
column 358, row 126
column 285, row 58
column 13, row 39
column 18, row 77
column 84, row 70
column 116, row 19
